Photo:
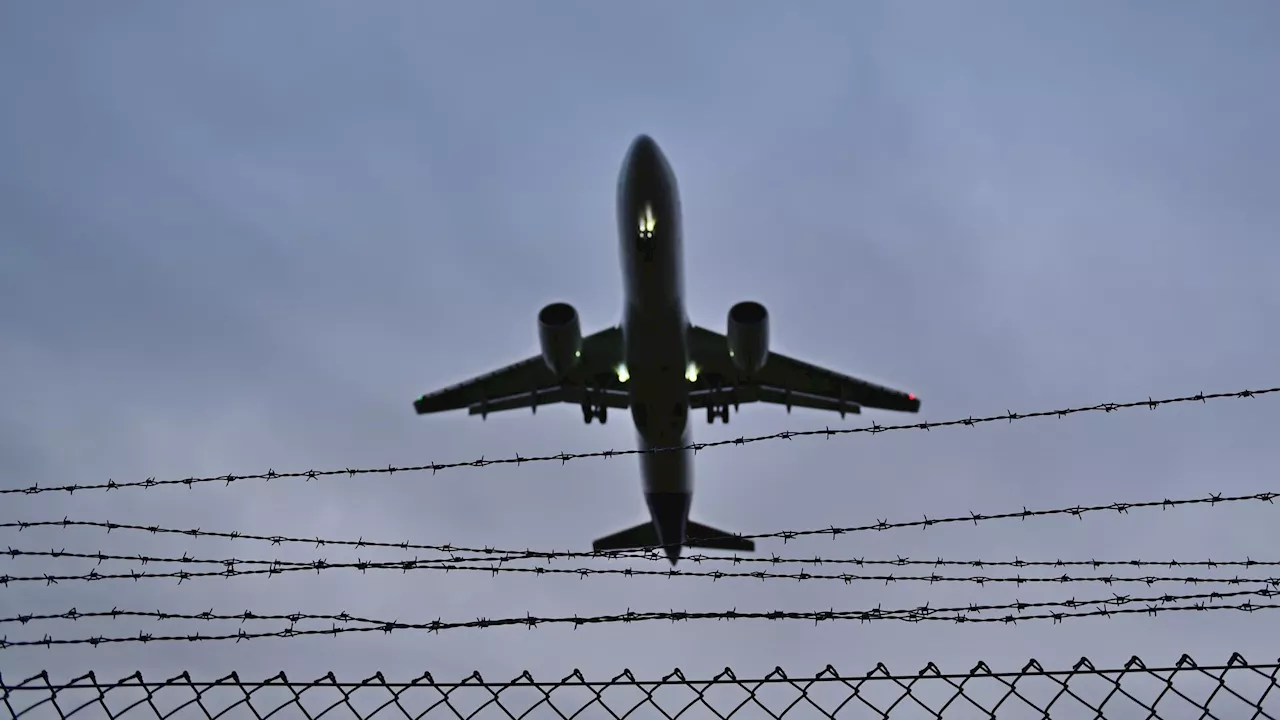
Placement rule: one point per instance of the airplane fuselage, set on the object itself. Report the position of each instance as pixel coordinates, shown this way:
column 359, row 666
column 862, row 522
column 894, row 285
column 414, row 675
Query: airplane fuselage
column 655, row 332
column 664, row 366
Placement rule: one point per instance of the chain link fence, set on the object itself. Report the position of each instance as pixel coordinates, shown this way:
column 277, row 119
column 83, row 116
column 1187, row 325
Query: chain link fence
column 1235, row 690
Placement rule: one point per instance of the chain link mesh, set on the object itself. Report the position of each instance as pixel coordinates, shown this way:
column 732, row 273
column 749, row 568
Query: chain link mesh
column 1232, row 691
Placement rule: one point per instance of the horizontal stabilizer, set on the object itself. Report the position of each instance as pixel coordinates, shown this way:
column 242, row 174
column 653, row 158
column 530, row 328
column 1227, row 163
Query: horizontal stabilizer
column 697, row 536
column 642, row 535
column 709, row 538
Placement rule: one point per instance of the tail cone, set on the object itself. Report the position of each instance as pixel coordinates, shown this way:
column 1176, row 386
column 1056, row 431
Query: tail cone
column 673, row 554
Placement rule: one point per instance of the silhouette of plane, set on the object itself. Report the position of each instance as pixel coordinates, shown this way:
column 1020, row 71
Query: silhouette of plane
column 659, row 366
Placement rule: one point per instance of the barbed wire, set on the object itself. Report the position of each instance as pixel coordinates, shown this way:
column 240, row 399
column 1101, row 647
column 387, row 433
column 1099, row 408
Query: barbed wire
column 1211, row 691
column 563, row 457
column 275, row 567
column 815, row 560
column 785, row 535
column 1105, row 607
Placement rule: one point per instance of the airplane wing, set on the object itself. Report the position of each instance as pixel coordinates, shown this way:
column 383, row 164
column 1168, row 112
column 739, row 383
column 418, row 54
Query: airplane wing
column 783, row 381
column 530, row 383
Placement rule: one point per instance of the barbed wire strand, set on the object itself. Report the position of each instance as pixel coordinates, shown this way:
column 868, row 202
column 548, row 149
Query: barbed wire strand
column 345, row 617
column 960, row 614
column 277, row 567
column 563, row 457
column 1014, row 688
column 785, row 535
column 815, row 560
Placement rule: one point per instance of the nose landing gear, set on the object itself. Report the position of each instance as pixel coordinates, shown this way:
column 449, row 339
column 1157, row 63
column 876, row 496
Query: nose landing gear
column 592, row 410
column 717, row 411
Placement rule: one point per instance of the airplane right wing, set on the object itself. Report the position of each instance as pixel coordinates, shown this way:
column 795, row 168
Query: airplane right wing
column 784, row 381
column 530, row 383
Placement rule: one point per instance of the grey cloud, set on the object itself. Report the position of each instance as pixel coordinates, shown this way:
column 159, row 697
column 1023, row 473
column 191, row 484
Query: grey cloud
column 247, row 238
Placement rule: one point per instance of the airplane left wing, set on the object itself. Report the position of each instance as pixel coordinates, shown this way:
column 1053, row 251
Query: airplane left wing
column 530, row 383
column 784, row 381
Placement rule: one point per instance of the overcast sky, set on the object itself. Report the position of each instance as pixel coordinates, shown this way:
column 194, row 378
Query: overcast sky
column 246, row 237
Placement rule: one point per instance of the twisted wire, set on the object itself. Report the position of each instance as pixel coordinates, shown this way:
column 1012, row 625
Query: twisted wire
column 563, row 457
column 1106, row 607
column 815, row 560
column 275, row 567
column 785, row 535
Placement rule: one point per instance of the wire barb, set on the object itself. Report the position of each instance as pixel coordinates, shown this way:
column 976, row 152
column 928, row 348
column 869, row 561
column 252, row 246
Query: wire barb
column 233, row 567
column 879, row 525
column 564, row 457
column 1012, row 613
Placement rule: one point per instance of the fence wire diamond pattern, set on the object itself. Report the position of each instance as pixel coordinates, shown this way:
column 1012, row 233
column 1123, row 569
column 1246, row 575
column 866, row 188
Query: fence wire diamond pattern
column 1233, row 691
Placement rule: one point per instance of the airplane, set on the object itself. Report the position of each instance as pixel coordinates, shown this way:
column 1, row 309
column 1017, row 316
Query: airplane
column 660, row 366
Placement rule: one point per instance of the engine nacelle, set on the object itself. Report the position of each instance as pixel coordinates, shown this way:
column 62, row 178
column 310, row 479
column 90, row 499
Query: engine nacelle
column 748, row 336
column 560, row 335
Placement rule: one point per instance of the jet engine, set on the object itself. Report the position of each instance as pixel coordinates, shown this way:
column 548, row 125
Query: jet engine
column 560, row 335
column 748, row 336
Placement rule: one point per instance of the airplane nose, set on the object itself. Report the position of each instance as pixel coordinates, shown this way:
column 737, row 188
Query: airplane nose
column 673, row 555
column 644, row 145
column 644, row 156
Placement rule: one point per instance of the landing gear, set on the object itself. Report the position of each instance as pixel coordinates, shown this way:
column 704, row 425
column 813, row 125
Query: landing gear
column 591, row 412
column 717, row 411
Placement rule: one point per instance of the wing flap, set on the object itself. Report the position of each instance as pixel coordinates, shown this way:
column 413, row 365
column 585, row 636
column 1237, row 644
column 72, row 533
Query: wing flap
column 780, row 370
column 527, row 376
column 743, row 394
column 560, row 394
column 786, row 381
column 530, row 382
column 533, row 399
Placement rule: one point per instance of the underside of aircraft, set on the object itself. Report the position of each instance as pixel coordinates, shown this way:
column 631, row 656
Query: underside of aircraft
column 724, row 371
column 659, row 366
